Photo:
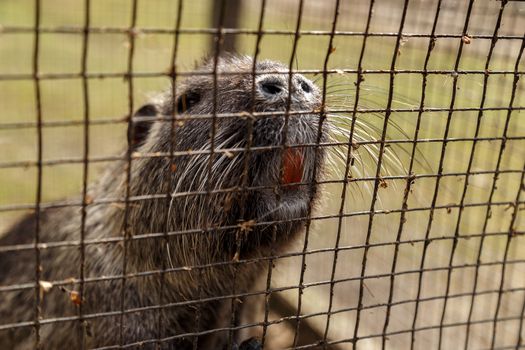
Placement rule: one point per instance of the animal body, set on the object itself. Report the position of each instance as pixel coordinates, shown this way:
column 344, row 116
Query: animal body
column 244, row 199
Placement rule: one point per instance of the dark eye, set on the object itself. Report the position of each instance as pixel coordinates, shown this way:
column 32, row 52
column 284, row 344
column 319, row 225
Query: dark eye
column 187, row 100
column 306, row 87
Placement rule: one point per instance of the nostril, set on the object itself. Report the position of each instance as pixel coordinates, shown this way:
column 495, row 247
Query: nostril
column 271, row 88
column 306, row 88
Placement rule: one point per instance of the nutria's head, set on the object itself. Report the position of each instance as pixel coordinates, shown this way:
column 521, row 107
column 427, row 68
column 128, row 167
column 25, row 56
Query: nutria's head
column 279, row 184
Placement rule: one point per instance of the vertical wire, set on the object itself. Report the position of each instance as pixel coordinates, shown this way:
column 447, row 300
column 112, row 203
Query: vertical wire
column 488, row 213
column 296, row 38
column 38, row 194
column 127, row 233
column 284, row 135
column 520, row 326
column 349, row 157
column 439, row 173
column 322, row 117
column 378, row 169
column 469, row 168
column 410, row 178
column 173, row 75
column 245, row 172
column 244, row 182
column 85, row 171
column 213, row 128
column 505, row 256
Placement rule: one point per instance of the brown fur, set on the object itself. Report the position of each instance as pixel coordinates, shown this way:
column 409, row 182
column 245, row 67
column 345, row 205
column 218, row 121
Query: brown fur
column 206, row 214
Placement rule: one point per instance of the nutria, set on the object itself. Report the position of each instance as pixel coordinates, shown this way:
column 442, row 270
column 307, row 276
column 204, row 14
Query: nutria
column 223, row 226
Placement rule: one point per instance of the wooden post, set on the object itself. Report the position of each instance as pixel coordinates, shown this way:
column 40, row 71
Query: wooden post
column 232, row 12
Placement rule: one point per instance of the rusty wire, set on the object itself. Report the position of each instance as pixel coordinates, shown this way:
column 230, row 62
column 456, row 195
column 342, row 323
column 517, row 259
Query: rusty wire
column 355, row 334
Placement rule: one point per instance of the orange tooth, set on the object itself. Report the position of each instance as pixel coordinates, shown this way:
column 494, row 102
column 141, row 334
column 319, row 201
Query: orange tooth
column 292, row 166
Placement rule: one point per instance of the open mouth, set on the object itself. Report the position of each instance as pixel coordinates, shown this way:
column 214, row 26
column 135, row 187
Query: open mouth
column 293, row 166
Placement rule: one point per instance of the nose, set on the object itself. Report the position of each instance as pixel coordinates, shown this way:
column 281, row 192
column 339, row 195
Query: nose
column 271, row 87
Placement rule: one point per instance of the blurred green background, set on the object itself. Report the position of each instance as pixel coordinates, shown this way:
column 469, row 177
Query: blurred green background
column 62, row 100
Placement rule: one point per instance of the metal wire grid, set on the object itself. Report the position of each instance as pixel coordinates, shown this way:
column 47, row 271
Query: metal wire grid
column 353, row 336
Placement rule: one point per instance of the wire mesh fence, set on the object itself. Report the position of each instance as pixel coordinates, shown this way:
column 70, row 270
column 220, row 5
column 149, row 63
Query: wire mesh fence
column 366, row 192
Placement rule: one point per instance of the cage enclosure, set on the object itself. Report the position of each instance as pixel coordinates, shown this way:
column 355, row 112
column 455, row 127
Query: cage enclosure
column 249, row 174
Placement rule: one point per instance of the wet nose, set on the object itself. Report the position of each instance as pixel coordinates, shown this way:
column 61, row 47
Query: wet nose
column 272, row 87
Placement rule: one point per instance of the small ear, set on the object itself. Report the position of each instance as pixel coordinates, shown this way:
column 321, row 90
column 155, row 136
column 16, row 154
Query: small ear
column 141, row 128
column 187, row 100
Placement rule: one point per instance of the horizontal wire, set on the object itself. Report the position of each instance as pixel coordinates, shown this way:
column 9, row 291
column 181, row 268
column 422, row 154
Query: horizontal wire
column 118, row 201
column 72, row 281
column 214, row 31
column 182, row 118
column 228, row 151
column 272, row 290
column 339, row 71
